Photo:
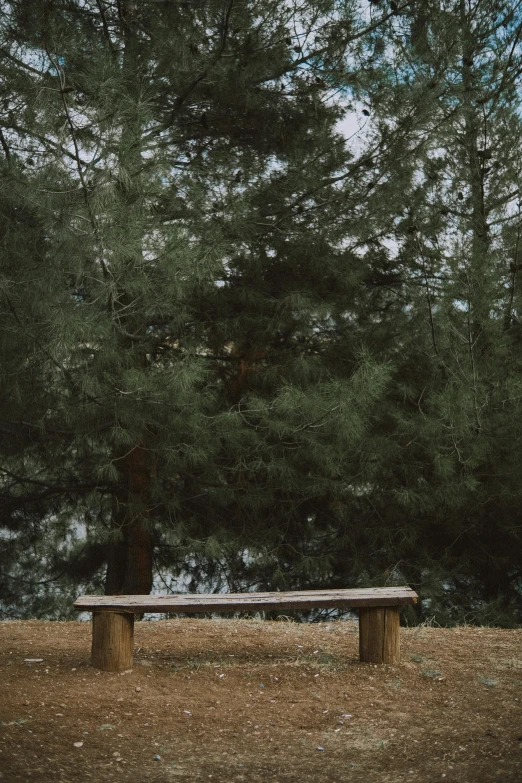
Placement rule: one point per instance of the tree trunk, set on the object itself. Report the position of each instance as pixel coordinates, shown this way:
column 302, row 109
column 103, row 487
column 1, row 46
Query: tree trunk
column 129, row 568
column 478, row 272
column 130, row 558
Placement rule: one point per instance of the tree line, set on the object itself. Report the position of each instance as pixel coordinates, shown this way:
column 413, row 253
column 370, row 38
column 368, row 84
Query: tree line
column 259, row 299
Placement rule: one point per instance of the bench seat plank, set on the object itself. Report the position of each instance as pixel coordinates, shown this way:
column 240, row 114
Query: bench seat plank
column 240, row 602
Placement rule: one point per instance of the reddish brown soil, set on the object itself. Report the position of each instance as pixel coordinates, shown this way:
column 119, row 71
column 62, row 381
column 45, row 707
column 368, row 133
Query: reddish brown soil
column 242, row 700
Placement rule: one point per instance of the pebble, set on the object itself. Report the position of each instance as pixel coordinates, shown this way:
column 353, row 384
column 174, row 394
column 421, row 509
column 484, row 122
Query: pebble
column 137, row 690
column 320, row 748
column 157, row 758
column 77, row 744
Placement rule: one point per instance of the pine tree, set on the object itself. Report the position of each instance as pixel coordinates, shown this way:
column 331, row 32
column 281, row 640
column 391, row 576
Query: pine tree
column 196, row 267
column 447, row 500
column 42, row 562
column 239, row 347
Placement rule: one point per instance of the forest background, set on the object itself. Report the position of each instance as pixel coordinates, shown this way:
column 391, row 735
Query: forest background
column 242, row 347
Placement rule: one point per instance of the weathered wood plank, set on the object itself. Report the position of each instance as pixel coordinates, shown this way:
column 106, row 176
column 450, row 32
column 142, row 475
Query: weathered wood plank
column 240, row 602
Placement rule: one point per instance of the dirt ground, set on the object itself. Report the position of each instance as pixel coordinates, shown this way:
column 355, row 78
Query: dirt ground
column 245, row 700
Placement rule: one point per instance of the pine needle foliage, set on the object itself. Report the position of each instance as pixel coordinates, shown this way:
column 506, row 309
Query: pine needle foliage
column 184, row 168
column 238, row 348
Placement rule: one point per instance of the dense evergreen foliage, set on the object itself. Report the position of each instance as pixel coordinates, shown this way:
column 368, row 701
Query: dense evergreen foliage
column 238, row 347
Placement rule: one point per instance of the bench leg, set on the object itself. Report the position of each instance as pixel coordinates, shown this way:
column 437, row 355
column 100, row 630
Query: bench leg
column 112, row 640
column 379, row 634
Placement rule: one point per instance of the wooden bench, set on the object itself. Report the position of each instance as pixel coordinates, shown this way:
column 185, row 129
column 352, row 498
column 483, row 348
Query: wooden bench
column 113, row 616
